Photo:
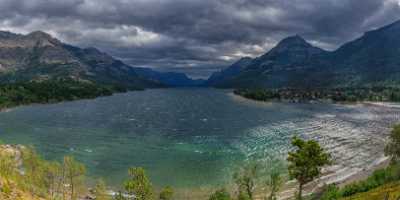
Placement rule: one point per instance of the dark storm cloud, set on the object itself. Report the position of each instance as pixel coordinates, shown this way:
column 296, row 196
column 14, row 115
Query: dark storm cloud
column 195, row 35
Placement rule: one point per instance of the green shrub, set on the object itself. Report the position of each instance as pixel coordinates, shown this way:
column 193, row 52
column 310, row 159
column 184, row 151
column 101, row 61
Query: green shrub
column 221, row 194
column 378, row 178
column 7, row 166
column 100, row 190
column 6, row 188
column 166, row 193
column 139, row 184
column 331, row 193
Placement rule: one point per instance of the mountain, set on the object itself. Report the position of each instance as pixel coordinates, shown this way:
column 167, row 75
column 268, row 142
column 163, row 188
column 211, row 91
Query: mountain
column 373, row 59
column 293, row 57
column 172, row 79
column 39, row 56
column 229, row 73
column 290, row 51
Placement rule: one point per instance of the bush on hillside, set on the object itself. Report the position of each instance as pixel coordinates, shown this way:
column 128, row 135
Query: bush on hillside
column 221, row 194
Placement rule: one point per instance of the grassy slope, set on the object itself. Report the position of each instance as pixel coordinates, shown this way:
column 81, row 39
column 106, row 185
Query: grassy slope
column 391, row 190
column 9, row 187
column 10, row 191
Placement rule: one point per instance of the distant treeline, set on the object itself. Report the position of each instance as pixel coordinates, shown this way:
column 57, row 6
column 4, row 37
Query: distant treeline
column 330, row 94
column 51, row 91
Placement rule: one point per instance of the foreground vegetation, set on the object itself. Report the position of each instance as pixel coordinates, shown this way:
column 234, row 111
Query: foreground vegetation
column 382, row 178
column 23, row 171
column 51, row 91
column 324, row 94
column 390, row 191
column 24, row 175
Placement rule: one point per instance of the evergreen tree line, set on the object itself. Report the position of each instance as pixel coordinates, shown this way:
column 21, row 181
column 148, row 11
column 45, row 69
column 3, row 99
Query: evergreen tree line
column 51, row 91
column 350, row 94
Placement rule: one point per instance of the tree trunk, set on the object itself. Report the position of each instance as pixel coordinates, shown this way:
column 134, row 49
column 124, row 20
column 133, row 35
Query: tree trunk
column 300, row 196
column 63, row 182
column 249, row 187
column 272, row 195
column 72, row 187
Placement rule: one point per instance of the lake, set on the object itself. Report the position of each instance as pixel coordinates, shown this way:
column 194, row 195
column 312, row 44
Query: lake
column 193, row 138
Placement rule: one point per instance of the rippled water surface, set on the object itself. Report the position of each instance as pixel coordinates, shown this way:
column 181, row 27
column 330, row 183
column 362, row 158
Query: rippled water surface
column 192, row 137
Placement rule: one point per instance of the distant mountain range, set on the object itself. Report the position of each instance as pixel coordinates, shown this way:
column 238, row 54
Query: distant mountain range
column 39, row 56
column 371, row 60
column 173, row 79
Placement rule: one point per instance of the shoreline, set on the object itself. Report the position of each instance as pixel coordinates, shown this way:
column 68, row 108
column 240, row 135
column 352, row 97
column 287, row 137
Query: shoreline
column 336, row 173
column 11, row 108
column 290, row 187
column 320, row 101
column 7, row 109
column 386, row 104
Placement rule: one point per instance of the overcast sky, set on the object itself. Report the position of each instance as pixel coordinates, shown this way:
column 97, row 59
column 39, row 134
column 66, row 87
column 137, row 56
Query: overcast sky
column 195, row 36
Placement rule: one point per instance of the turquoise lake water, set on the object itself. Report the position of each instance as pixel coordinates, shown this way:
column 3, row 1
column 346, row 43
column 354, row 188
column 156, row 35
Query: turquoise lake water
column 185, row 138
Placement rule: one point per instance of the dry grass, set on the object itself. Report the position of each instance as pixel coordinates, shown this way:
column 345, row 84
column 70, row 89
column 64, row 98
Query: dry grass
column 10, row 191
column 9, row 188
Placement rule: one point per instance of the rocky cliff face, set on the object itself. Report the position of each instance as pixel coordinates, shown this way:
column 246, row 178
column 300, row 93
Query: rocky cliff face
column 15, row 151
column 20, row 51
column 38, row 56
